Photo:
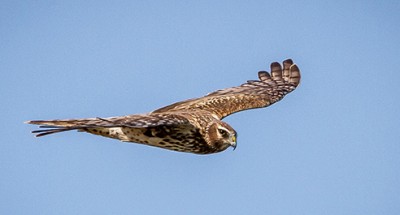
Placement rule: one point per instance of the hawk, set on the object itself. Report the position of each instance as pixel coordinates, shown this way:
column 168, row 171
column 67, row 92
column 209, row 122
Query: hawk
column 192, row 125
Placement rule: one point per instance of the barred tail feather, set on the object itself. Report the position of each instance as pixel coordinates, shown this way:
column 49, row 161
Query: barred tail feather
column 55, row 126
column 63, row 122
column 132, row 121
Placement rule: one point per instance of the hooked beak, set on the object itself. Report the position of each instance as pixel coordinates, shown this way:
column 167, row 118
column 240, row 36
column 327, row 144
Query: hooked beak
column 233, row 143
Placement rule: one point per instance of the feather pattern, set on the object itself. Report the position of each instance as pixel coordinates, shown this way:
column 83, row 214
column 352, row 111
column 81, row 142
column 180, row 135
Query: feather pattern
column 192, row 125
column 253, row 94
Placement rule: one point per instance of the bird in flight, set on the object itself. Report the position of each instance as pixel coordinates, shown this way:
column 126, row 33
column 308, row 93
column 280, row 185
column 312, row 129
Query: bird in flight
column 192, row 125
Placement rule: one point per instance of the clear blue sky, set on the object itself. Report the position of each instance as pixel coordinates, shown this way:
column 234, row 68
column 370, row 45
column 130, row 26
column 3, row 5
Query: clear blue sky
column 330, row 147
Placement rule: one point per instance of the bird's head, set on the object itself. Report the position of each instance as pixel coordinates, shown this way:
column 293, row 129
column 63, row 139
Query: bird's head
column 220, row 136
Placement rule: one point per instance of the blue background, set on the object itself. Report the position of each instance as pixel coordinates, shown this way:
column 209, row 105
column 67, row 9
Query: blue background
column 330, row 147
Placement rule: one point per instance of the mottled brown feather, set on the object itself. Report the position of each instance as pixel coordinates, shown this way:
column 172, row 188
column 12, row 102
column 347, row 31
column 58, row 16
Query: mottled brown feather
column 253, row 94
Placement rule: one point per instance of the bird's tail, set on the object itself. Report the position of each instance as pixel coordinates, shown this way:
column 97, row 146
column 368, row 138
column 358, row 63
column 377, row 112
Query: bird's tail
column 55, row 126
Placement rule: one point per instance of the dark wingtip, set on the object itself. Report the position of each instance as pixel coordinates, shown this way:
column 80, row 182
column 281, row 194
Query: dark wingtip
column 263, row 75
column 275, row 65
column 288, row 61
column 295, row 76
column 276, row 71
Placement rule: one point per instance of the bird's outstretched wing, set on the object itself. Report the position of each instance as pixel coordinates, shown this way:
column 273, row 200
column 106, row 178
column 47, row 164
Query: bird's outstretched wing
column 271, row 88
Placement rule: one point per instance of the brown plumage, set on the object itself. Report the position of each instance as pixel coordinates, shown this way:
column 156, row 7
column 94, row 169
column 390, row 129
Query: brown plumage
column 192, row 125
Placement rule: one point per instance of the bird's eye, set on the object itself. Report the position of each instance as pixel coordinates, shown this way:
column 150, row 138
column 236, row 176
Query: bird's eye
column 222, row 132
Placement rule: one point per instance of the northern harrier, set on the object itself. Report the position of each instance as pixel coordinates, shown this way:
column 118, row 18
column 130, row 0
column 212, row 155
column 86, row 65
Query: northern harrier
column 192, row 125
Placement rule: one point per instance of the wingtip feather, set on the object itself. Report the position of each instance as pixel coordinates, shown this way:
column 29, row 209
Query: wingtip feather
column 276, row 71
column 263, row 75
column 295, row 75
